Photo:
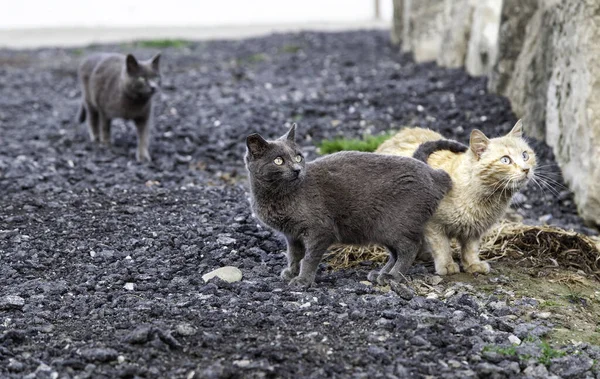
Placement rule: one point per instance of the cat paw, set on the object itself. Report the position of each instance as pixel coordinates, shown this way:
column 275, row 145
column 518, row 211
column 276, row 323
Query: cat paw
column 288, row 274
column 479, row 267
column 372, row 276
column 449, row 269
column 387, row 278
column 143, row 156
column 301, row 282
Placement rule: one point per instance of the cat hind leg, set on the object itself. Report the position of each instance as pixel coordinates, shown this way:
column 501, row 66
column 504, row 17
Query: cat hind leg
column 374, row 274
column 405, row 250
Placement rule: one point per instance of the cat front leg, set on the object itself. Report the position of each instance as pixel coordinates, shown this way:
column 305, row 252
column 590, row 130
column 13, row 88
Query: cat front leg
column 441, row 251
column 93, row 122
column 104, row 123
column 470, row 257
column 142, row 126
column 309, row 264
column 295, row 253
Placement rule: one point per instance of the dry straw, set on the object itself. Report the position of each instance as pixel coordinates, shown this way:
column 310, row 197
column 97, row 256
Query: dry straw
column 535, row 246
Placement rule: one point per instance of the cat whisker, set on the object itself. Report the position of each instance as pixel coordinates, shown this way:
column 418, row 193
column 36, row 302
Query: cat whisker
column 537, row 182
column 496, row 187
column 552, row 181
column 548, row 186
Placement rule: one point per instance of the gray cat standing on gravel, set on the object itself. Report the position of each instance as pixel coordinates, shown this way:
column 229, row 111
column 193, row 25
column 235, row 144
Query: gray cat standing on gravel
column 347, row 197
column 118, row 86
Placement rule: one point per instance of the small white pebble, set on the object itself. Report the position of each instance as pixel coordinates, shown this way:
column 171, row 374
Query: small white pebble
column 514, row 339
column 128, row 286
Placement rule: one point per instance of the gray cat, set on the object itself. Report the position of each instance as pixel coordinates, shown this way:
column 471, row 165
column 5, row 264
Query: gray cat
column 118, row 86
column 347, row 197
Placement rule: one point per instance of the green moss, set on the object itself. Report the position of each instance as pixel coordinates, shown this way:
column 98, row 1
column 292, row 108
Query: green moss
column 257, row 58
column 368, row 143
column 548, row 353
column 292, row 49
column 549, row 303
column 163, row 43
column 77, row 52
column 508, row 351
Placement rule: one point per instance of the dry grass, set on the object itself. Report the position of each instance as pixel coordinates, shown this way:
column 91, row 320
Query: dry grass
column 534, row 246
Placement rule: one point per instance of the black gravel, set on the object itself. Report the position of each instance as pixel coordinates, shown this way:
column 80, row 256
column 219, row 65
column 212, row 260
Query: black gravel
column 101, row 258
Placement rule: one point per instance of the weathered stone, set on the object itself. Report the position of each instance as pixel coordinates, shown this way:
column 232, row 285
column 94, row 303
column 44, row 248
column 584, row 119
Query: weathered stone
column 456, row 30
column 229, row 274
column 422, row 28
column 571, row 366
column 515, row 16
column 548, row 68
column 573, row 107
column 11, row 302
column 527, row 83
column 99, row 354
column 482, row 48
column 398, row 22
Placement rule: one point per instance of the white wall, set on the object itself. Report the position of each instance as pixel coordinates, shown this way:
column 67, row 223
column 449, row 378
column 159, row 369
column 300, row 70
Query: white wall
column 25, row 14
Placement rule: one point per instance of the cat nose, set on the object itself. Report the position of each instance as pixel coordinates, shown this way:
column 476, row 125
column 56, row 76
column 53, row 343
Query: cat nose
column 297, row 170
column 526, row 171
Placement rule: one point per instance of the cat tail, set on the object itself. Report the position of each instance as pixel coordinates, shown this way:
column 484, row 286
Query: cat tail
column 429, row 147
column 81, row 114
column 443, row 180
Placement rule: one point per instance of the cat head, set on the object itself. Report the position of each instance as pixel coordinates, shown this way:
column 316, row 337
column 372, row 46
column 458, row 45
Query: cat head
column 142, row 78
column 504, row 163
column 278, row 162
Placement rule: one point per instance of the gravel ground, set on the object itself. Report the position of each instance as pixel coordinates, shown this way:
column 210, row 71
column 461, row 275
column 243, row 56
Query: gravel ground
column 101, row 258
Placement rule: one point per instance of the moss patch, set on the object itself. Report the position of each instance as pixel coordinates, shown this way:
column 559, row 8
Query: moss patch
column 368, row 143
column 163, row 43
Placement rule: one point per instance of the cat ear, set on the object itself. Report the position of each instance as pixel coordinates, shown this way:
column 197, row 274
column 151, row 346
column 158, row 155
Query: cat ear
column 132, row 64
column 291, row 134
column 478, row 143
column 156, row 63
column 517, row 130
column 256, row 145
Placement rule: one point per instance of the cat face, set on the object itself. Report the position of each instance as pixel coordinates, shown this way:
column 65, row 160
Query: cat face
column 143, row 78
column 278, row 162
column 504, row 163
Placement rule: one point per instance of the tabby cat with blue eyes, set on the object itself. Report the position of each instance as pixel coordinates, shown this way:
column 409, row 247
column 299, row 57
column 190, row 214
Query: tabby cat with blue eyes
column 485, row 178
column 118, row 86
column 347, row 197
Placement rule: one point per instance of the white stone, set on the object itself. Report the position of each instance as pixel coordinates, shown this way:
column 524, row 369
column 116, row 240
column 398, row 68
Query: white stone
column 129, row 286
column 229, row 274
column 11, row 301
column 514, row 339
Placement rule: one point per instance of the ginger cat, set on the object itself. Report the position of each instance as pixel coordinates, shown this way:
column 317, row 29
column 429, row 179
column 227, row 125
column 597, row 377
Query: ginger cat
column 485, row 177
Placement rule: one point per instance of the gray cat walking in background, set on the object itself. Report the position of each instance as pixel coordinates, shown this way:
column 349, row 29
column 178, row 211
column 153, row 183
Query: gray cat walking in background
column 118, row 86
column 347, row 197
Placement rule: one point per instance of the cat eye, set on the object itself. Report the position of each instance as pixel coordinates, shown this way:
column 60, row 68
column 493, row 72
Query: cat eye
column 278, row 161
column 506, row 160
column 142, row 79
column 525, row 156
column 298, row 158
